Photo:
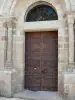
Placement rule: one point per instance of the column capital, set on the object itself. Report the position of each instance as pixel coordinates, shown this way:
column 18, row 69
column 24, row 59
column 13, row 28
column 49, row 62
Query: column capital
column 5, row 25
column 70, row 19
column 10, row 22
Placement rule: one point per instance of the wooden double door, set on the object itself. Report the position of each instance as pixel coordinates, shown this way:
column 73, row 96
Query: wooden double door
column 41, row 61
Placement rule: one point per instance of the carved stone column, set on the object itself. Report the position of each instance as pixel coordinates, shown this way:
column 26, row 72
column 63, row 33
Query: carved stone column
column 9, row 45
column 71, row 38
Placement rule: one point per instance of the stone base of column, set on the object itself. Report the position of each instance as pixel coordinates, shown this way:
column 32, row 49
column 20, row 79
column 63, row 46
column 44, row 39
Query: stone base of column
column 8, row 65
column 69, row 85
column 71, row 67
column 7, row 82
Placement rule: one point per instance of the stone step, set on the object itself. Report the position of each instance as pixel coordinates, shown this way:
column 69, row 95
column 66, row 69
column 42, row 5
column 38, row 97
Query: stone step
column 2, row 98
column 38, row 95
column 58, row 98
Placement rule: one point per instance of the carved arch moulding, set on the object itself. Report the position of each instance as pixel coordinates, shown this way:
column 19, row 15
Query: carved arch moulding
column 27, row 5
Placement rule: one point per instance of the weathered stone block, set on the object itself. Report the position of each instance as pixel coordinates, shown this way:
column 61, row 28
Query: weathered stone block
column 69, row 84
column 69, row 78
column 6, row 83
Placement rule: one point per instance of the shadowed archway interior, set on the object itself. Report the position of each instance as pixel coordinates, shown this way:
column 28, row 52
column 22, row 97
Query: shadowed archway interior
column 41, row 13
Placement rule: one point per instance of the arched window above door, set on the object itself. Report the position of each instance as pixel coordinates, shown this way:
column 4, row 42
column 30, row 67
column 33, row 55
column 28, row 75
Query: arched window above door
column 41, row 13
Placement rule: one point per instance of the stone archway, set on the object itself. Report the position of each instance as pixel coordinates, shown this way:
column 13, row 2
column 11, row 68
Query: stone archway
column 39, row 3
column 41, row 73
column 19, row 11
column 46, row 26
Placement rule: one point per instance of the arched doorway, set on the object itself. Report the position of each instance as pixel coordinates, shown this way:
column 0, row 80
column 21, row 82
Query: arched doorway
column 41, row 52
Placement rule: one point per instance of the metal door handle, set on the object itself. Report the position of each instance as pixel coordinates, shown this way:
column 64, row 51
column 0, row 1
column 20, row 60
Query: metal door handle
column 44, row 71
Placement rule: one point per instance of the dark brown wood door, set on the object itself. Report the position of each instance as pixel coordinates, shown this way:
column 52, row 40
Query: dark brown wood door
column 41, row 58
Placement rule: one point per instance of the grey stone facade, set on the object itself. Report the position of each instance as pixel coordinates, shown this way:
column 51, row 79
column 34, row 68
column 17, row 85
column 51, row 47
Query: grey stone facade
column 12, row 43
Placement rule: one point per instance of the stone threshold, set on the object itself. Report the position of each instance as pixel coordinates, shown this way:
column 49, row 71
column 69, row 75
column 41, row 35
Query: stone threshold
column 37, row 95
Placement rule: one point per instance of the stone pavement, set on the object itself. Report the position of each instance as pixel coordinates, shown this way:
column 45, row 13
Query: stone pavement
column 2, row 98
column 31, row 95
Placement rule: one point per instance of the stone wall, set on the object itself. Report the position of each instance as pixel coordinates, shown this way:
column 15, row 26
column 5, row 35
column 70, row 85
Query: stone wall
column 12, row 46
column 7, row 82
